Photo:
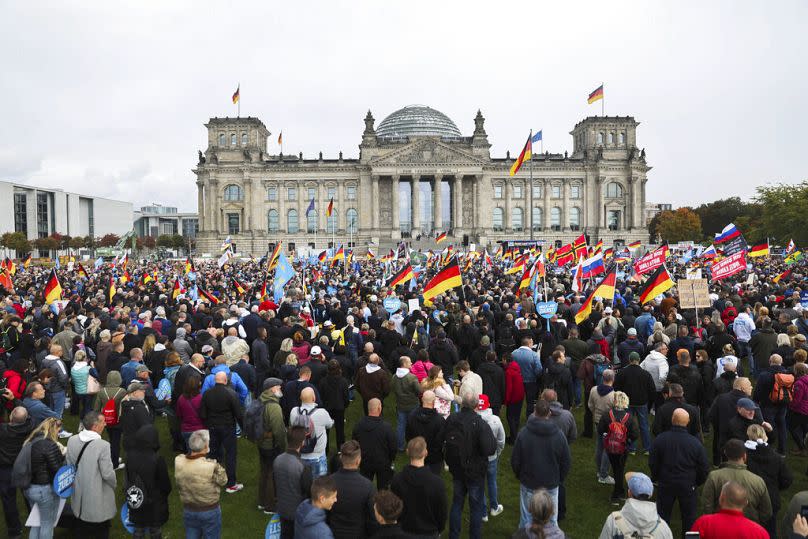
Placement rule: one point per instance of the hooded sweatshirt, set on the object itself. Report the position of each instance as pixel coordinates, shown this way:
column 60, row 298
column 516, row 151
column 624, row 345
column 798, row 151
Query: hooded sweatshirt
column 601, row 400
column 427, row 422
column 406, row 389
column 541, row 456
column 637, row 516
column 657, row 366
column 310, row 522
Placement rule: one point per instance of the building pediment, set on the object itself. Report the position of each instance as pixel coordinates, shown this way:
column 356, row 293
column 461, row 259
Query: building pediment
column 427, row 152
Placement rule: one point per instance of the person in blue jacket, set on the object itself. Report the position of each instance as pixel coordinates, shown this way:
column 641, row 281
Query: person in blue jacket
column 310, row 519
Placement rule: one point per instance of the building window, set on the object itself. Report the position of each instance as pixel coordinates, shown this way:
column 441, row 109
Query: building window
column 497, row 191
column 273, row 221
column 537, row 191
column 233, row 139
column 244, row 139
column 538, row 220
column 575, row 219
column 555, row 219
column 42, row 220
column 190, row 227
column 611, row 138
column 614, row 190
column 311, row 222
column 555, row 191
column 575, row 191
column 499, row 219
column 311, row 193
column 291, row 194
column 292, row 224
column 352, row 217
column 233, row 193
column 517, row 221
column 222, row 139
column 272, row 194
column 331, row 192
column 600, row 137
column 332, row 222
column 621, row 139
column 517, row 191
column 613, row 219
column 350, row 192
column 21, row 213
column 232, row 223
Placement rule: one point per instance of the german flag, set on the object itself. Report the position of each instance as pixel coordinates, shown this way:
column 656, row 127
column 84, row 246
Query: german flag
column 236, row 94
column 595, row 95
column 322, row 256
column 53, row 290
column 339, row 255
column 440, row 237
column 781, row 276
column 388, row 257
column 607, row 286
column 189, row 266
column 518, row 266
column 146, row 278
column 111, row 291
column 446, row 279
column 371, row 255
column 238, row 287
column 81, row 271
column 634, row 245
column 264, row 289
column 759, row 250
column 525, row 155
column 657, row 283
column 9, row 264
column 330, row 209
column 27, row 261
column 586, row 309
column 125, row 278
column 208, row 296
column 564, row 255
column 177, row 290
column 524, row 282
column 403, row 276
column 5, row 280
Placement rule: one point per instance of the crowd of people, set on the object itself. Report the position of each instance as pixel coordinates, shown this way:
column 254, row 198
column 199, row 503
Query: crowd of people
column 652, row 379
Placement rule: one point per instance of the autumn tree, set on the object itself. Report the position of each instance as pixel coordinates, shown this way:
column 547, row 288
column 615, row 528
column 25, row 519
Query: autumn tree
column 673, row 226
column 16, row 241
column 109, row 240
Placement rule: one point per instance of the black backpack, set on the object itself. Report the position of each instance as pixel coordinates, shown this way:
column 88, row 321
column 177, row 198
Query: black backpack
column 305, row 420
column 254, row 421
column 460, row 443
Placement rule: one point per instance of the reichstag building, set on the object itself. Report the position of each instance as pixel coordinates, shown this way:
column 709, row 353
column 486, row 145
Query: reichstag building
column 418, row 175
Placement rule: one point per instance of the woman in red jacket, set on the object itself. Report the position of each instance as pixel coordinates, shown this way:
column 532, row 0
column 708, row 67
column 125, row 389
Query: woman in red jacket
column 514, row 395
column 14, row 379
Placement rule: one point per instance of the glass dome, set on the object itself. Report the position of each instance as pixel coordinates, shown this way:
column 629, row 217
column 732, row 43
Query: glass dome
column 417, row 120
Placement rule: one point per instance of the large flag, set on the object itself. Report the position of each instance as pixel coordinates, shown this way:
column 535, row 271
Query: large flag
column 579, row 247
column 12, row 267
column 729, row 266
column 709, row 252
column 125, row 278
column 81, row 271
column 111, row 291
column 273, row 258
column 536, row 137
column 607, row 286
column 634, row 245
column 237, row 94
column 518, row 266
column 403, row 275
column 593, row 266
column 651, row 261
column 659, row 282
column 564, row 255
column 730, row 232
column 283, row 274
column 793, row 257
column 208, row 296
column 330, row 209
column 225, row 258
column 759, row 250
column 446, row 279
column 525, row 155
column 53, row 290
column 595, row 95
column 339, row 255
column 189, row 266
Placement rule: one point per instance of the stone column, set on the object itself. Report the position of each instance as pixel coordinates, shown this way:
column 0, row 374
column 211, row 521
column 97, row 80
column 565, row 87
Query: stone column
column 437, row 208
column 457, row 204
column 548, row 205
column 396, row 232
column 415, row 202
column 373, row 206
column 565, row 207
column 212, row 196
column 506, row 219
column 636, row 211
column 200, row 205
column 478, row 210
column 601, row 197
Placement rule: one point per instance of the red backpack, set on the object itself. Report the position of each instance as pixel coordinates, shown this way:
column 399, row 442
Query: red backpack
column 617, row 436
column 110, row 409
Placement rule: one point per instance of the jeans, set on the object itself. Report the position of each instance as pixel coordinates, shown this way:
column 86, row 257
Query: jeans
column 618, row 463
column 601, row 458
column 400, row 427
column 512, row 414
column 58, row 402
column 491, row 480
column 85, row 403
column 207, row 524
column 223, row 439
column 318, row 465
column 776, row 415
column 525, row 519
column 474, row 489
column 577, row 389
column 8, row 495
column 641, row 413
column 531, row 393
column 48, row 503
column 688, row 500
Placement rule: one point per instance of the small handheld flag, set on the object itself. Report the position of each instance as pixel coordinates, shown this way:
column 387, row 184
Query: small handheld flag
column 440, row 237
column 53, row 290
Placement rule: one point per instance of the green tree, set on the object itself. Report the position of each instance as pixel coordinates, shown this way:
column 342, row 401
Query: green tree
column 166, row 241
column 47, row 244
column 177, row 241
column 146, row 242
column 77, row 242
column 16, row 241
column 678, row 225
column 716, row 215
column 784, row 208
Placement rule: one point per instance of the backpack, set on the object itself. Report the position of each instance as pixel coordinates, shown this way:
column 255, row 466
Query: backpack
column 110, row 409
column 254, row 421
column 783, row 388
column 304, row 420
column 617, row 436
column 459, row 443
column 598, row 370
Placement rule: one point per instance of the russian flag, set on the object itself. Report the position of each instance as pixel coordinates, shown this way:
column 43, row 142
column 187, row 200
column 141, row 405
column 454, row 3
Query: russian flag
column 709, row 252
column 730, row 232
column 593, row 266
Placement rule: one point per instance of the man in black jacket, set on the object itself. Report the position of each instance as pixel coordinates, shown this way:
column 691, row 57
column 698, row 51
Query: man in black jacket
column 689, row 377
column 12, row 436
column 663, row 420
column 195, row 367
column 352, row 515
column 469, row 443
column 493, row 381
column 134, row 413
column 220, row 410
column 423, row 494
column 678, row 463
column 638, row 384
column 379, row 444
column 429, row 424
column 723, row 410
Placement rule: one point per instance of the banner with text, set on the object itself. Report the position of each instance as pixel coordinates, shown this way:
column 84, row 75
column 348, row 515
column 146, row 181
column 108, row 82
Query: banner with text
column 651, row 261
column 729, row 266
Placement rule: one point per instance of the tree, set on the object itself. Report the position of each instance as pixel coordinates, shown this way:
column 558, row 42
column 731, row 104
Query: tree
column 177, row 241
column 16, row 241
column 716, row 215
column 146, row 242
column 165, row 240
column 783, row 207
column 109, row 240
column 678, row 225
column 77, row 242
column 62, row 240
column 48, row 243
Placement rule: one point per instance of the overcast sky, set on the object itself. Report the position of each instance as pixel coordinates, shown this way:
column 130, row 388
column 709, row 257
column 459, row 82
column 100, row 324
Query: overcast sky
column 109, row 98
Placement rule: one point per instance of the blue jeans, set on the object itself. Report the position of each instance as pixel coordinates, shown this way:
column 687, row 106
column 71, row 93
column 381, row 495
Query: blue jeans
column 641, row 413
column 58, row 398
column 207, row 524
column 601, row 458
column 476, row 507
column 402, row 424
column 48, row 503
column 577, row 388
column 318, row 465
column 525, row 519
column 491, row 480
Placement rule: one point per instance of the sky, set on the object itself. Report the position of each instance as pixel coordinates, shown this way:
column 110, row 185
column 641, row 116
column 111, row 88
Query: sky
column 110, row 98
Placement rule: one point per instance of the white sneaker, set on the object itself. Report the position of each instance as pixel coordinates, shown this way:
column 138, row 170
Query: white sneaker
column 121, row 465
column 608, row 480
column 499, row 509
column 485, row 518
column 65, row 434
column 235, row 488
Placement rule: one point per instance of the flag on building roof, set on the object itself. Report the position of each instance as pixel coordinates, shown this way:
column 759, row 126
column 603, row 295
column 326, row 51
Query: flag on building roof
column 759, row 250
column 440, row 237
column 280, row 138
column 536, row 137
column 237, row 94
column 402, row 276
column 525, row 155
column 446, row 279
column 330, row 209
column 659, row 282
column 730, row 232
column 53, row 290
column 595, row 95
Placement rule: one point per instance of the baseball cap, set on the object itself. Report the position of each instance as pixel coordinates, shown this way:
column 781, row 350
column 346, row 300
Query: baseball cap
column 328, row 324
column 639, row 484
column 316, row 351
column 142, row 368
column 483, row 403
column 135, row 386
column 746, row 404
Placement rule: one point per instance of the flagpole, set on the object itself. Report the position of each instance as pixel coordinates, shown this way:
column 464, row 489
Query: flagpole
column 603, row 100
column 238, row 103
column 530, row 195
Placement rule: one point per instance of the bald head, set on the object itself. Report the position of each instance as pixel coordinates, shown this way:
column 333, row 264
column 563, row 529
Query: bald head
column 743, row 384
column 549, row 395
column 733, row 497
column 220, row 378
column 307, row 395
column 374, row 358
column 428, row 399
column 680, row 418
column 19, row 415
column 374, row 407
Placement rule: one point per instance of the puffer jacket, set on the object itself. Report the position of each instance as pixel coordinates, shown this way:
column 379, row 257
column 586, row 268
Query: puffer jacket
column 421, row 369
column 79, row 374
column 46, row 459
column 657, row 366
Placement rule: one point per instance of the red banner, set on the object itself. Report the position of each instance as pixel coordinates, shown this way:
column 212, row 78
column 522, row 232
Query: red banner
column 729, row 266
column 651, row 261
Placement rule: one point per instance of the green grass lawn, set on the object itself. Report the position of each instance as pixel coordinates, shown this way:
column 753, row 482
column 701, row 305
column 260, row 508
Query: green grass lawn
column 587, row 500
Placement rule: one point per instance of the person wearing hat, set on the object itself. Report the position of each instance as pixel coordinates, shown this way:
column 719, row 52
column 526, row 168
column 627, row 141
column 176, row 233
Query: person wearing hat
column 748, row 413
column 317, row 364
column 638, row 517
column 495, row 423
column 134, row 413
column 273, row 442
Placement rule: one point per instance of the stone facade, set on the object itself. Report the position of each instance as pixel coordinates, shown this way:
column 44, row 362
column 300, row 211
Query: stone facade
column 453, row 182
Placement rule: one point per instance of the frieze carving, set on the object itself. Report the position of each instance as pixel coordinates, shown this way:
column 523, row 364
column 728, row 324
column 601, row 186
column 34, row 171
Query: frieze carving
column 428, row 152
